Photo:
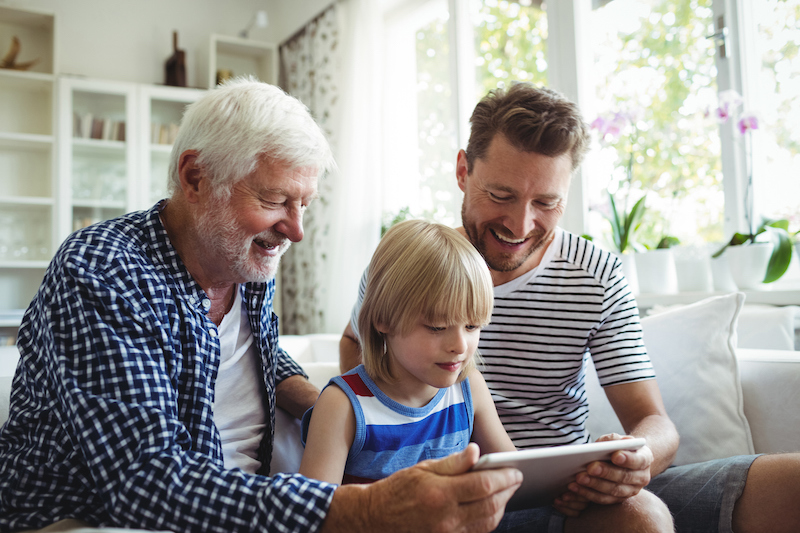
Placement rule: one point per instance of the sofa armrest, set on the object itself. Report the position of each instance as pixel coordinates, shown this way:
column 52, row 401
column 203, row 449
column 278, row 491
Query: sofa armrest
column 771, row 387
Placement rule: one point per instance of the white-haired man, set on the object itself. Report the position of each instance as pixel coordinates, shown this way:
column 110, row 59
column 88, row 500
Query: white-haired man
column 150, row 366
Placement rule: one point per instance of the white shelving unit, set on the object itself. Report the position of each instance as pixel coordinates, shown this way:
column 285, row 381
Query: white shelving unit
column 97, row 164
column 241, row 57
column 28, row 187
column 160, row 111
column 118, row 172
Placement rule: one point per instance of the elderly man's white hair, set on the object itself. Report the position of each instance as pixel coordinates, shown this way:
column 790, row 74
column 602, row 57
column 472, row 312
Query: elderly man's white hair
column 242, row 121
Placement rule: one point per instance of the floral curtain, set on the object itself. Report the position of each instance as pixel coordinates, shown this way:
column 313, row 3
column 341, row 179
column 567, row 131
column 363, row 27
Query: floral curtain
column 308, row 63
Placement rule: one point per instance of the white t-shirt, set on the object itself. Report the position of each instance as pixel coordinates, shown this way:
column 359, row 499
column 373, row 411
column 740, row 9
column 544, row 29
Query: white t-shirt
column 239, row 396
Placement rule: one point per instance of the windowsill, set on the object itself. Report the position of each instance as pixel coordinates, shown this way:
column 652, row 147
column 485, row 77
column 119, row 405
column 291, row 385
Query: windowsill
column 781, row 292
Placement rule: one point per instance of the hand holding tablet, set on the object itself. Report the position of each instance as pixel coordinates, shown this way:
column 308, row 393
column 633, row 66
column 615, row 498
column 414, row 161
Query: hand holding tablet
column 547, row 471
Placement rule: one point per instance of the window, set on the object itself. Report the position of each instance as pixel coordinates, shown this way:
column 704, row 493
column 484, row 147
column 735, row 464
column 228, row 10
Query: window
column 774, row 73
column 510, row 42
column 421, row 142
column 653, row 73
column 656, row 59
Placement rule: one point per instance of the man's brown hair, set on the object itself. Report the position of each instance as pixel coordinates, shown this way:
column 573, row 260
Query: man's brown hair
column 532, row 119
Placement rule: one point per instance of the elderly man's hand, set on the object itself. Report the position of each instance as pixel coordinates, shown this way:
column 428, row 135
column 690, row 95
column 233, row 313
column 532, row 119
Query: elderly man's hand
column 607, row 483
column 440, row 495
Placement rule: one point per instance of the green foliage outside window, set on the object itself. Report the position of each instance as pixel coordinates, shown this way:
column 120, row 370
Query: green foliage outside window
column 668, row 63
column 511, row 44
column 677, row 147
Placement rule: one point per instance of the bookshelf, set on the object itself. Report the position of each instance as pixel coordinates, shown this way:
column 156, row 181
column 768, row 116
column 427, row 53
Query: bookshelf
column 28, row 188
column 239, row 57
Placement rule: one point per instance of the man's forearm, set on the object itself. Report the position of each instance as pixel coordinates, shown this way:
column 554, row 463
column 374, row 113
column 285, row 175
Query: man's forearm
column 349, row 351
column 662, row 439
column 295, row 395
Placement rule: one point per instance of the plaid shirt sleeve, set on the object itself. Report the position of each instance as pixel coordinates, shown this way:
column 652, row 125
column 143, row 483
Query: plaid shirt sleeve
column 111, row 417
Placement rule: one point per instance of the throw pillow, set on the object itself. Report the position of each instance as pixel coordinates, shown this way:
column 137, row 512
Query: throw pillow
column 693, row 352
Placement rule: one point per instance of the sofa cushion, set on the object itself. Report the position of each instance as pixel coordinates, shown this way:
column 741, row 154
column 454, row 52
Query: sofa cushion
column 693, row 352
column 771, row 387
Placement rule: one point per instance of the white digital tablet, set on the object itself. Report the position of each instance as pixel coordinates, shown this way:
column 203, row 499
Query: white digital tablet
column 547, row 471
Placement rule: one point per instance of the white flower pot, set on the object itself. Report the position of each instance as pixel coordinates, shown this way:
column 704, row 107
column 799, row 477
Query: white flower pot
column 655, row 270
column 748, row 263
column 629, row 269
column 721, row 274
column 797, row 250
column 694, row 274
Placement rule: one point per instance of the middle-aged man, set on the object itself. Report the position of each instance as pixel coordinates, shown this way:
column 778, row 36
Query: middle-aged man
column 150, row 368
column 559, row 299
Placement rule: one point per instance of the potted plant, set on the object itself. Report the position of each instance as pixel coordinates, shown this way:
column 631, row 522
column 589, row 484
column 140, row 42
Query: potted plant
column 753, row 260
column 624, row 222
column 655, row 267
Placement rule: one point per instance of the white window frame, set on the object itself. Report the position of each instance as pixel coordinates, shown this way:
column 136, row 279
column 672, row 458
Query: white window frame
column 567, row 71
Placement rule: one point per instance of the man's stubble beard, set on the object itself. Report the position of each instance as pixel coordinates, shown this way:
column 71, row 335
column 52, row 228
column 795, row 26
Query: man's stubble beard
column 501, row 262
column 218, row 231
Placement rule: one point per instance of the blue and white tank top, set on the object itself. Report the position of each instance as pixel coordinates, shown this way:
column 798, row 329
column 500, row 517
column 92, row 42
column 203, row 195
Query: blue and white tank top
column 391, row 436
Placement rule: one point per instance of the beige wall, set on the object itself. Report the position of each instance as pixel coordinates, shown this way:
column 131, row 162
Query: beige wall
column 129, row 40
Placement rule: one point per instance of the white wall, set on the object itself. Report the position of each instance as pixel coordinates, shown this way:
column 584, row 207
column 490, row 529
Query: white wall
column 129, row 40
column 291, row 15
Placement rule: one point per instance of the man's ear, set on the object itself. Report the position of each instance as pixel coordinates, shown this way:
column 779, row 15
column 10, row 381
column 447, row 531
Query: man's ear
column 190, row 174
column 462, row 170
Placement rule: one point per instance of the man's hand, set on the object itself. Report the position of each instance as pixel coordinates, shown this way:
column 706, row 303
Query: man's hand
column 440, row 495
column 606, row 483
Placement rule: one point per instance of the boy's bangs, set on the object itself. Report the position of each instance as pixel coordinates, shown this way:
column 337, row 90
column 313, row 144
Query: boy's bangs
column 459, row 302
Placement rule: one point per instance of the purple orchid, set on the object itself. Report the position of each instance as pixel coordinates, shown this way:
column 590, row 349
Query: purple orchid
column 747, row 122
column 610, row 127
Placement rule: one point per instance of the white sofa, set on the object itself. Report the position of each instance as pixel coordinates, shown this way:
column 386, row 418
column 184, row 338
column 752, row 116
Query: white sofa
column 724, row 400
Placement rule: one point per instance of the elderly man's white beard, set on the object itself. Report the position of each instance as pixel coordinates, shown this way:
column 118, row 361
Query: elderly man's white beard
column 220, row 234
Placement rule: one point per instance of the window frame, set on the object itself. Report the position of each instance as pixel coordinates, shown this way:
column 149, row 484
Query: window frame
column 568, row 55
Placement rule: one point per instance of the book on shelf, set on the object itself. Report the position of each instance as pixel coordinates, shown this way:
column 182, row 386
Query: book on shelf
column 87, row 126
column 97, row 128
column 163, row 133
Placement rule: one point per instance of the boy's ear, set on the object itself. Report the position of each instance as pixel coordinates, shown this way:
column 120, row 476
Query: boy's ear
column 382, row 329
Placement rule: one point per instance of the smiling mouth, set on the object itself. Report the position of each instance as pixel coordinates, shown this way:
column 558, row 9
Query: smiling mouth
column 506, row 240
column 265, row 245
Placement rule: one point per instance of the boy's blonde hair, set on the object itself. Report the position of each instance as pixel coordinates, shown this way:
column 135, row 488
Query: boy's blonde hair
column 427, row 270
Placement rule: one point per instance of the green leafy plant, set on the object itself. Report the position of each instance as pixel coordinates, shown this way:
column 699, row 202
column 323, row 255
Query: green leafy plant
column 619, row 129
column 667, row 241
column 624, row 224
column 778, row 231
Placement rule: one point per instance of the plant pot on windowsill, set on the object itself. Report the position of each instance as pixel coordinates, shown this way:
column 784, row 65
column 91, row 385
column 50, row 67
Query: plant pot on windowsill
column 749, row 263
column 797, row 249
column 655, row 268
column 629, row 269
column 656, row 272
column 694, row 269
column 753, row 262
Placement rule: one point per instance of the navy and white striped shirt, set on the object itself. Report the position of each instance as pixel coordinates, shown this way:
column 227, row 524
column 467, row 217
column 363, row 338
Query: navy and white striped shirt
column 545, row 326
column 111, row 415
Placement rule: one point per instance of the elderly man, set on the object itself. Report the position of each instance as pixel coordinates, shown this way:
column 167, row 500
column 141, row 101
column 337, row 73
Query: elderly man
column 558, row 299
column 150, row 367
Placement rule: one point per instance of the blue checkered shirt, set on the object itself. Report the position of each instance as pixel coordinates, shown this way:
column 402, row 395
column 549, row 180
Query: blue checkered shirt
column 111, row 415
